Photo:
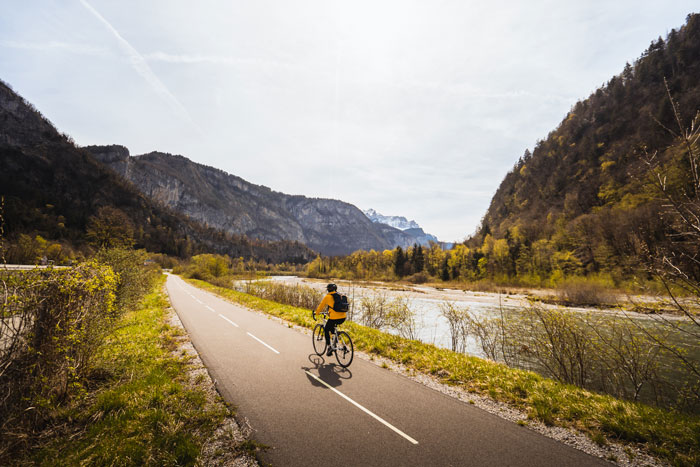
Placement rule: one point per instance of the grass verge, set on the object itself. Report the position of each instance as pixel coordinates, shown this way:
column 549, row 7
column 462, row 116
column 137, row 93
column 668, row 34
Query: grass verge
column 669, row 435
column 140, row 408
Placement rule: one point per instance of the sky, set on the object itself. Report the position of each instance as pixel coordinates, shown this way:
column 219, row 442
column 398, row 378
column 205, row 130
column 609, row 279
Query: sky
column 413, row 108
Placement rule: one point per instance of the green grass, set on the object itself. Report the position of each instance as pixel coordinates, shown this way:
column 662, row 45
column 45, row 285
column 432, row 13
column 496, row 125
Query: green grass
column 140, row 408
column 667, row 434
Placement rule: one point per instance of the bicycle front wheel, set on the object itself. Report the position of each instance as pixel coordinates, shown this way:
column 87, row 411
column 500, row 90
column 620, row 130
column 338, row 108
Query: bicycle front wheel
column 319, row 339
column 345, row 350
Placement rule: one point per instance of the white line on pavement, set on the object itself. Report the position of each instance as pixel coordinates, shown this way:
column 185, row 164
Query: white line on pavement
column 228, row 320
column 275, row 351
column 368, row 412
column 209, row 308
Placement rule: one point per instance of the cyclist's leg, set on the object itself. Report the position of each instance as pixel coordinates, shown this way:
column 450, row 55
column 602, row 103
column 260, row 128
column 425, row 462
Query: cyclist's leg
column 328, row 329
column 337, row 322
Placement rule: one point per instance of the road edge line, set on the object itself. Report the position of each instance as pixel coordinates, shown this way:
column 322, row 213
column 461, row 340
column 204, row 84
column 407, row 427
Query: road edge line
column 367, row 411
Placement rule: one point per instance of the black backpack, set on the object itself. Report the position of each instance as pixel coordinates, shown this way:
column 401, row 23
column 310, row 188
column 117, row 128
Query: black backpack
column 340, row 303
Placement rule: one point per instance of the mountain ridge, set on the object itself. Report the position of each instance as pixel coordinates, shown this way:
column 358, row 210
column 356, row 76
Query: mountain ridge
column 231, row 204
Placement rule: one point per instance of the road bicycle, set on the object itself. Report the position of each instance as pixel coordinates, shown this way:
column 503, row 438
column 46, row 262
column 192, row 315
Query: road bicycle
column 340, row 343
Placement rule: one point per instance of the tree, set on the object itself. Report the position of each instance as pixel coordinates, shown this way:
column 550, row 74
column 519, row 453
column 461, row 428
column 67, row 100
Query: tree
column 417, row 259
column 110, row 228
column 399, row 262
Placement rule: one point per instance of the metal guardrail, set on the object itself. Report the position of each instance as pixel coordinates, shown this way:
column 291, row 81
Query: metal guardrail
column 28, row 267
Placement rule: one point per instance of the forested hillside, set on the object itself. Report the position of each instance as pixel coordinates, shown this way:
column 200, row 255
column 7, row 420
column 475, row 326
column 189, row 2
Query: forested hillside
column 59, row 202
column 582, row 200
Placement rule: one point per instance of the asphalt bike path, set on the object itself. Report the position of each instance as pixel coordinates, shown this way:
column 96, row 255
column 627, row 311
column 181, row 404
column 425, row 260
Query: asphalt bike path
column 312, row 412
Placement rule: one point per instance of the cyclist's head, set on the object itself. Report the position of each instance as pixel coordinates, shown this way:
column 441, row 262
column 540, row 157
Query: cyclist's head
column 331, row 287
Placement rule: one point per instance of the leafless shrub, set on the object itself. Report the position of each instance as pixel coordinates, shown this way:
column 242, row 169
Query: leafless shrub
column 676, row 263
column 497, row 337
column 294, row 295
column 459, row 319
column 558, row 342
column 584, row 292
column 374, row 310
column 403, row 318
column 627, row 359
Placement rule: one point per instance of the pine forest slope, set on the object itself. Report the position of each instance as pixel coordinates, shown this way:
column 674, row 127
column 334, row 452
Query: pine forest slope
column 583, row 195
column 52, row 188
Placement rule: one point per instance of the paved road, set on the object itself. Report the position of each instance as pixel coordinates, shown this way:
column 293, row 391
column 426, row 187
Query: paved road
column 314, row 413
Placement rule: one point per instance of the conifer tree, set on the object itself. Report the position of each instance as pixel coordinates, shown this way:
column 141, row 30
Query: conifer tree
column 399, row 262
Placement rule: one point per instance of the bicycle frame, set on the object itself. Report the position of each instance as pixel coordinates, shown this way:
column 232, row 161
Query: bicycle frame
column 334, row 334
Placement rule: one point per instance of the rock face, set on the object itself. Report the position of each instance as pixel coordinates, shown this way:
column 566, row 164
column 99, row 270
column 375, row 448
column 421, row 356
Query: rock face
column 229, row 203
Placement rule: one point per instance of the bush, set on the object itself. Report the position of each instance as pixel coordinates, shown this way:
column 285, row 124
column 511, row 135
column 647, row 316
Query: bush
column 295, row 295
column 418, row 278
column 52, row 322
column 134, row 280
column 585, row 291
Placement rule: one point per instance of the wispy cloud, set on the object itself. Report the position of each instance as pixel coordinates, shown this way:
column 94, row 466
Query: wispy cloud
column 140, row 65
column 82, row 49
column 218, row 60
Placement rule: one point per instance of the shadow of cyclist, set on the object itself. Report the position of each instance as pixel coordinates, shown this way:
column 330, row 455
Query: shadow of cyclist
column 331, row 374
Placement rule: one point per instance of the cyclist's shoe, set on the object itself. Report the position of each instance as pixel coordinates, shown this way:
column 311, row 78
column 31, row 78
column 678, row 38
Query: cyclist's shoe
column 329, row 352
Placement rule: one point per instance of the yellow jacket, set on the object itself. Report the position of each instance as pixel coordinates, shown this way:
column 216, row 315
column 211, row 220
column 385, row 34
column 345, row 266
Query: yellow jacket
column 328, row 301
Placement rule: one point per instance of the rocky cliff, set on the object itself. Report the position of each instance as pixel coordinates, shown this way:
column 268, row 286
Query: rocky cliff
column 231, row 204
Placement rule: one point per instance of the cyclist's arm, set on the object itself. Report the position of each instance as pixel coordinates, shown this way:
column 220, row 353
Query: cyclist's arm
column 327, row 301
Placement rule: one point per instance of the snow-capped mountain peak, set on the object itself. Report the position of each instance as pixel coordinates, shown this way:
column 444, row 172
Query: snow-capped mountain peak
column 398, row 222
column 409, row 227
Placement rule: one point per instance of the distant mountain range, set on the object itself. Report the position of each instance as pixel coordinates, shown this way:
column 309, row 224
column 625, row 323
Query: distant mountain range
column 52, row 188
column 177, row 206
column 409, row 227
column 229, row 203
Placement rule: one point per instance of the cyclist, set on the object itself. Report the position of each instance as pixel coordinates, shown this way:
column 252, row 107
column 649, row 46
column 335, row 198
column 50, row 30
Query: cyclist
column 334, row 317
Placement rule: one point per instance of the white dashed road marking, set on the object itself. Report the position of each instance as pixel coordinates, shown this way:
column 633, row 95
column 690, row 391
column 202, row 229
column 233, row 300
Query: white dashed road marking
column 228, row 320
column 269, row 347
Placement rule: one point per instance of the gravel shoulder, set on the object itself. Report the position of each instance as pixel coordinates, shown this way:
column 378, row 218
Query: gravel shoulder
column 227, row 447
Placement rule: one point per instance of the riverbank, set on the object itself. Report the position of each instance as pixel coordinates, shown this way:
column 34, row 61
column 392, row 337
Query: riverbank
column 669, row 435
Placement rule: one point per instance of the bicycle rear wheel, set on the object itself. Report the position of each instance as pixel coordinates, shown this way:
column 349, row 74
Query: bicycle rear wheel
column 345, row 350
column 319, row 339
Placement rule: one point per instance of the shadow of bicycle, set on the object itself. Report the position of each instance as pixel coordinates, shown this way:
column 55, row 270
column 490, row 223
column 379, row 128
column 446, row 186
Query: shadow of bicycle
column 332, row 374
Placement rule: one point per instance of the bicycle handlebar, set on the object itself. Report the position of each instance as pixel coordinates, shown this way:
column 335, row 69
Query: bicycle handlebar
column 324, row 313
